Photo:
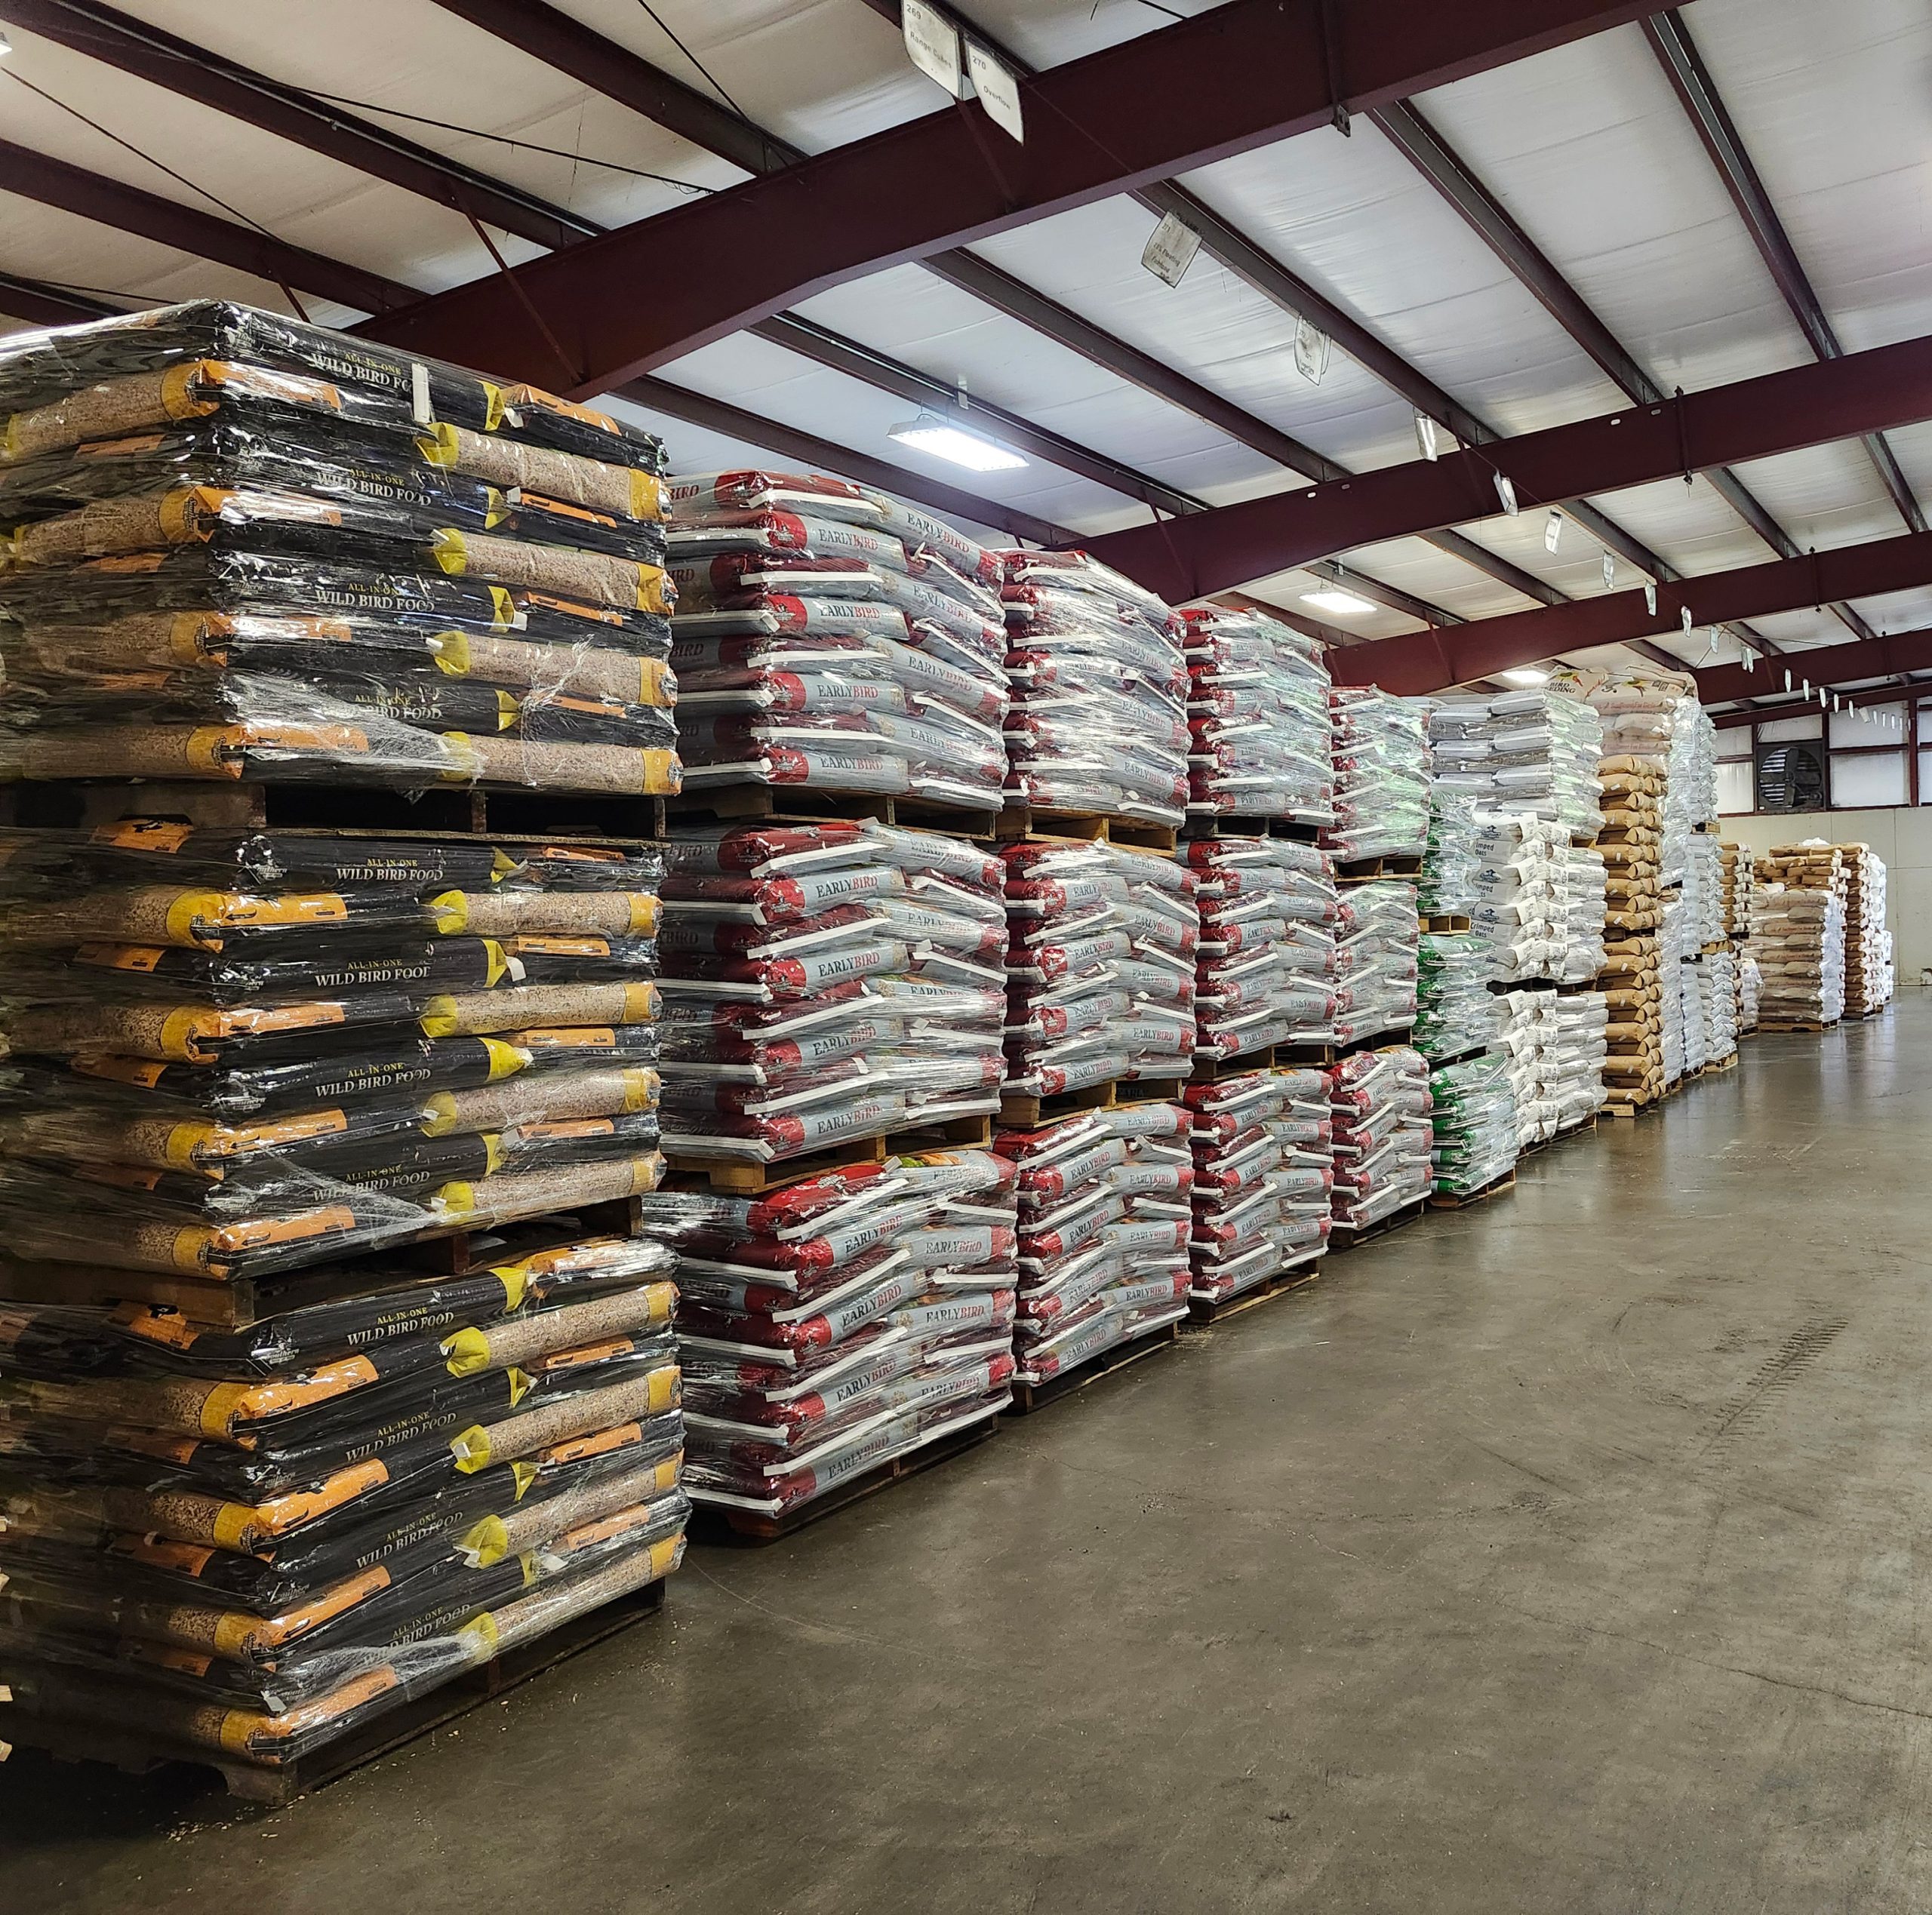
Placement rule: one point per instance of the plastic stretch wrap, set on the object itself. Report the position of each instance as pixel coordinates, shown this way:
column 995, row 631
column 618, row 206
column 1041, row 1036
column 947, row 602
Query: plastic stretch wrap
column 841, row 1322
column 1798, row 939
column 828, row 981
column 1266, row 972
column 1101, row 951
column 1099, row 716
column 1105, row 1203
column 236, row 546
column 249, row 1541
column 833, row 637
column 1377, row 938
column 1573, row 1064
column 237, row 1052
column 1263, row 1144
column 1473, row 1112
column 1533, row 751
column 1382, row 775
column 1261, row 740
column 1380, row 1103
column 1529, row 1046
column 1456, row 1012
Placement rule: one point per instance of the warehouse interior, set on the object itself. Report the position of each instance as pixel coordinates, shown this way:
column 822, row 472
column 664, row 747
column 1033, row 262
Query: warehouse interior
column 1212, row 710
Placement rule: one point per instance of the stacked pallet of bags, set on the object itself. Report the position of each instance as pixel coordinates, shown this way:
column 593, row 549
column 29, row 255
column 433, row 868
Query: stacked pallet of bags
column 1527, row 1043
column 1106, row 1198
column 1379, row 1101
column 1263, row 1173
column 841, row 1322
column 1382, row 776
column 1583, row 897
column 1456, row 1013
column 1473, row 1114
column 1266, row 972
column 240, row 1544
column 1533, row 751
column 1378, row 938
column 831, row 638
column 1257, row 715
column 1868, row 945
column 1631, row 843
column 1576, row 1057
column 236, row 546
column 238, row 1053
column 826, row 982
column 1798, row 935
column 1516, row 885
column 1099, row 722
column 1100, row 966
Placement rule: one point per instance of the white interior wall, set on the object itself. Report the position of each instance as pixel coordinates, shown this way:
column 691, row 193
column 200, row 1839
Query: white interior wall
column 1899, row 834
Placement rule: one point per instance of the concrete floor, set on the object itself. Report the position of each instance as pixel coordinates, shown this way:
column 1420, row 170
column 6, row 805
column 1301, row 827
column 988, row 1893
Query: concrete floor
column 1562, row 1554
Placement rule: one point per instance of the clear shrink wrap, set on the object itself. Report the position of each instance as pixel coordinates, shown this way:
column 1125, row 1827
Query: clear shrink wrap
column 1377, row 940
column 1261, row 743
column 1100, row 959
column 825, row 983
column 1099, row 721
column 238, row 1053
column 1263, row 1144
column 1105, row 1205
column 1382, row 775
column 1266, row 971
column 1379, row 1103
column 829, row 637
column 249, row 1541
column 1472, row 1111
column 235, row 546
column 832, row 1325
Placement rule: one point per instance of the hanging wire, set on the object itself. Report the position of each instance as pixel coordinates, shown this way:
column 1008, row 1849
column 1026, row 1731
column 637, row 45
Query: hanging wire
column 146, row 159
column 508, row 140
column 709, row 80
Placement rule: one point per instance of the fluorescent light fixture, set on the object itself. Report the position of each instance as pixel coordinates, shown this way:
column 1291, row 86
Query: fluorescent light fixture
column 1524, row 675
column 945, row 440
column 1335, row 600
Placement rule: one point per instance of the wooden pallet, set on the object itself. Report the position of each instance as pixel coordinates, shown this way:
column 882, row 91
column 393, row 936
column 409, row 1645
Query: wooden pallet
column 280, row 1783
column 1377, row 1041
column 1447, row 924
column 732, row 804
column 714, row 1524
column 1343, row 1238
column 1778, row 1026
column 1216, row 1070
column 1364, row 871
column 1629, row 1110
column 1018, row 821
column 742, row 1179
column 1446, row 1199
column 241, row 1300
column 1018, row 1111
column 1202, row 1311
column 1027, row 1398
column 1454, row 1057
column 1719, row 1066
column 502, row 810
column 1241, row 824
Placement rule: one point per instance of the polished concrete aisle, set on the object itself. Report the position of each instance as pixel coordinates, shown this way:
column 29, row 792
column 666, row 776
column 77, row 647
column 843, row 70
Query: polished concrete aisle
column 1568, row 1553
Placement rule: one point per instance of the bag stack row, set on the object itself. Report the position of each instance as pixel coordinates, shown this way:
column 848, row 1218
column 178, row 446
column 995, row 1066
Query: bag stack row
column 329, row 1366
column 1631, row 842
column 1798, row 937
column 1868, row 979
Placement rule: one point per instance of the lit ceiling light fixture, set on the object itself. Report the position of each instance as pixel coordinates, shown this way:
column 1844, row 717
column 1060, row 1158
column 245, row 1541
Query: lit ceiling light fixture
column 1334, row 599
column 1525, row 674
column 944, row 439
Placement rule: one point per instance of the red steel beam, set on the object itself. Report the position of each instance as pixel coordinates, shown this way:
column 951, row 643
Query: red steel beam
column 1696, row 92
column 1237, row 77
column 558, row 41
column 101, row 32
column 1754, row 418
column 1427, row 661
column 74, row 189
column 1896, row 654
